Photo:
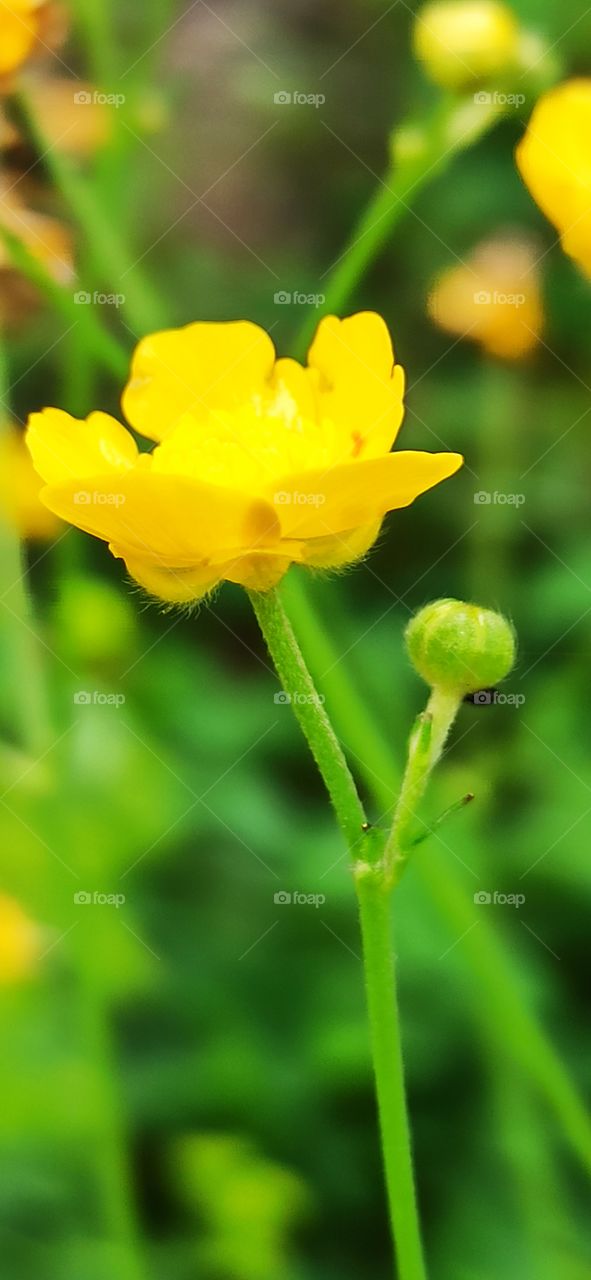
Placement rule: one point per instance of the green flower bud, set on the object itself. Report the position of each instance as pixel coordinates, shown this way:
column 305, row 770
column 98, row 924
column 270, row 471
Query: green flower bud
column 460, row 647
column 463, row 42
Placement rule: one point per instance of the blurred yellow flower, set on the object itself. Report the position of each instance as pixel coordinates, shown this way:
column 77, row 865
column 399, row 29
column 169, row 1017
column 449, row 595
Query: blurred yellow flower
column 19, row 29
column 260, row 462
column 45, row 237
column 554, row 159
column 493, row 298
column 20, row 942
column 463, row 42
column 76, row 119
column 20, row 507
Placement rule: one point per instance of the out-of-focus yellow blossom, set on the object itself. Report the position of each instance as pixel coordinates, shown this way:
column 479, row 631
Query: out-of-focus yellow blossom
column 9, row 134
column 19, row 31
column 260, row 462
column 554, row 159
column 20, row 505
column 20, row 943
column 494, row 298
column 74, row 118
column 46, row 238
column 464, row 42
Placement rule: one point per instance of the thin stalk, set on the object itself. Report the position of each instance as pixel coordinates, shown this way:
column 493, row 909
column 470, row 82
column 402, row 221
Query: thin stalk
column 95, row 20
column 425, row 148
column 384, row 1021
column 308, row 707
column 106, row 251
column 111, row 1164
column 24, row 663
column 425, row 747
column 498, row 1001
column 374, row 908
column 107, row 348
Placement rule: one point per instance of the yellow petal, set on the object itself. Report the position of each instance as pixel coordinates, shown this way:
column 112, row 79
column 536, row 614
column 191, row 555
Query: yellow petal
column 167, row 520
column 20, row 506
column 317, row 503
column 257, row 572
column 178, row 586
column 17, row 37
column 194, row 370
column 358, row 385
column 63, row 447
column 554, row 159
column 340, row 549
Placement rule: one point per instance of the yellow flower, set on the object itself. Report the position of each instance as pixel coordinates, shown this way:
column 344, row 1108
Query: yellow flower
column 20, row 508
column 20, row 942
column 45, row 237
column 493, row 298
column 463, row 42
column 260, row 462
column 19, row 29
column 554, row 159
column 75, row 119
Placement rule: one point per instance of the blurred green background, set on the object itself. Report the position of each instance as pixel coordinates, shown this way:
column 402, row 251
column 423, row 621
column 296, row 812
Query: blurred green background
column 185, row 1076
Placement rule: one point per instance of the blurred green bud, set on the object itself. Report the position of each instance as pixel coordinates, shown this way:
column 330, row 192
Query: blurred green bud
column 96, row 622
column 462, row 43
column 460, row 647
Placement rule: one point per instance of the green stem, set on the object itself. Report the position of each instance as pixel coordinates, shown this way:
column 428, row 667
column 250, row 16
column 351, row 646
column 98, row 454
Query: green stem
column 422, row 150
column 108, row 349
column 308, row 707
column 374, row 908
column 498, row 1001
column 94, row 18
column 384, row 1021
column 107, row 253
column 426, row 744
column 23, row 667
column 111, row 1164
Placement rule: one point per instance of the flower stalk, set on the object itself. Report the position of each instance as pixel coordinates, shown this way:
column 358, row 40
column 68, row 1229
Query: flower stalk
column 374, row 898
